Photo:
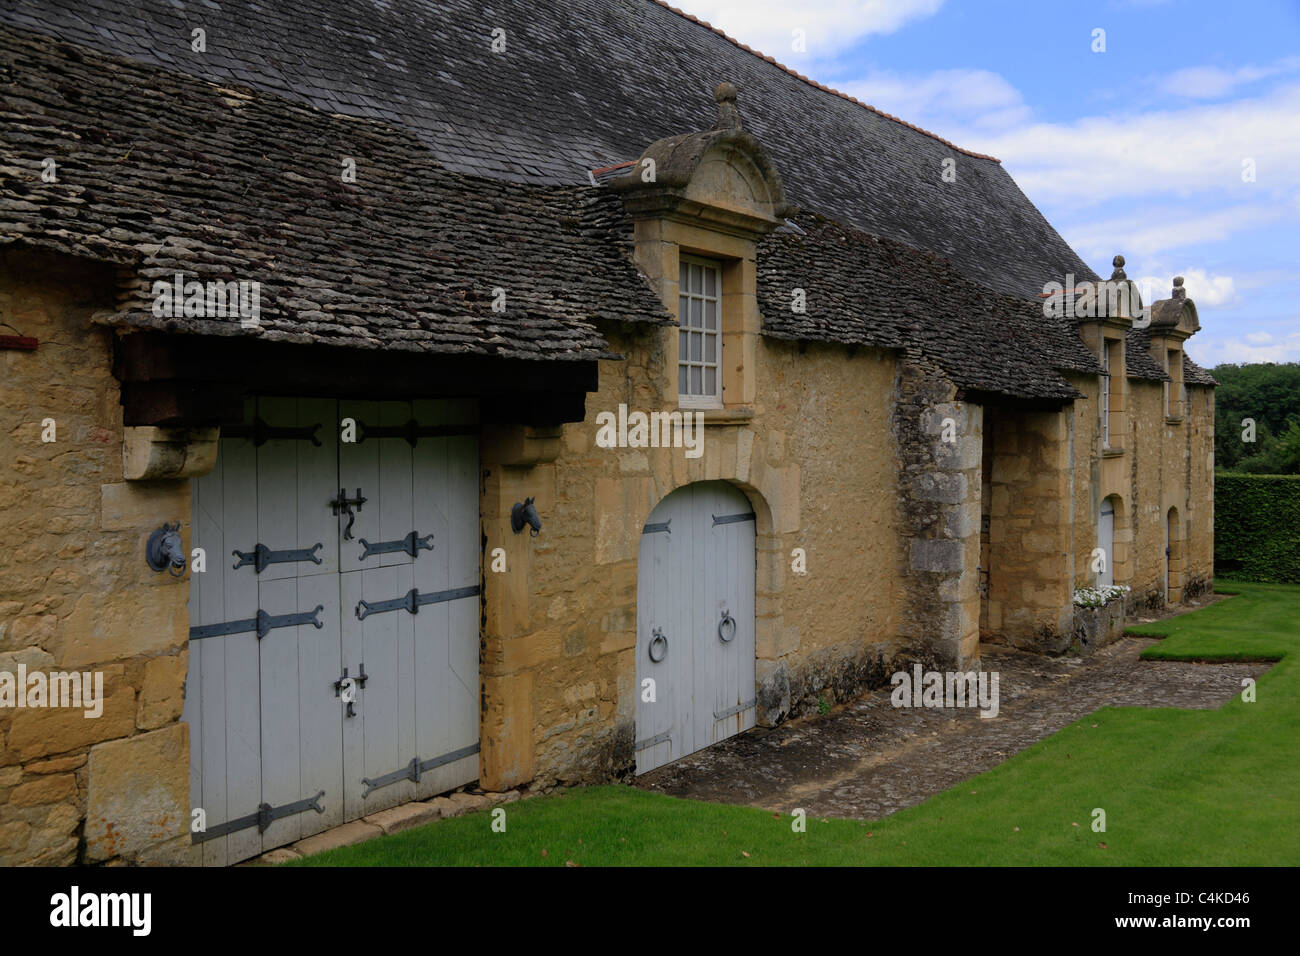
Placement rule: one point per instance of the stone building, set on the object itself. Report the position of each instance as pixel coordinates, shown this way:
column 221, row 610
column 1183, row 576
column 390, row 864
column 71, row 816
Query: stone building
column 393, row 400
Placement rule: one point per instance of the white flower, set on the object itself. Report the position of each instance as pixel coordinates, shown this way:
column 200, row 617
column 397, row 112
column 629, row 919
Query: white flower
column 1098, row 597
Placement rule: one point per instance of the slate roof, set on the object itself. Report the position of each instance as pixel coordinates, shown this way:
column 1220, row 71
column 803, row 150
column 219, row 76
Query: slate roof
column 585, row 84
column 1193, row 374
column 1137, row 357
column 863, row 289
column 162, row 172
column 1140, row 364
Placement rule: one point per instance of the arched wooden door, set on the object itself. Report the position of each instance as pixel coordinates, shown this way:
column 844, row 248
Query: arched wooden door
column 1106, row 542
column 695, row 623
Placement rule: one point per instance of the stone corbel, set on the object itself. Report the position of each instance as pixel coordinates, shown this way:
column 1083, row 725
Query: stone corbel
column 151, row 452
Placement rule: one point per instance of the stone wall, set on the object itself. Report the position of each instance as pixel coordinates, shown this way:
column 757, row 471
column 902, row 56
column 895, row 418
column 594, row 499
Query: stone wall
column 939, row 442
column 1171, row 469
column 1101, row 473
column 1031, row 521
column 1154, row 464
column 815, row 456
column 862, row 459
column 76, row 594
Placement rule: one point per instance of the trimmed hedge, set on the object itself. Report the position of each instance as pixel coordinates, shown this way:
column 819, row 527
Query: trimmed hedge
column 1257, row 527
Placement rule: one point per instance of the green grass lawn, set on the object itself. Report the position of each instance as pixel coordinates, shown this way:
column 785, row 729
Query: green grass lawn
column 1179, row 787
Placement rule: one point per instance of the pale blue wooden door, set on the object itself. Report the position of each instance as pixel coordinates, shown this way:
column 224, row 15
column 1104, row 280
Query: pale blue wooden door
column 270, row 727
column 1106, row 542
column 695, row 623
column 415, row 729
column 264, row 726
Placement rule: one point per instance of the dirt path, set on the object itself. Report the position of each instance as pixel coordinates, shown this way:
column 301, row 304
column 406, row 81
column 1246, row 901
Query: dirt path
column 868, row 758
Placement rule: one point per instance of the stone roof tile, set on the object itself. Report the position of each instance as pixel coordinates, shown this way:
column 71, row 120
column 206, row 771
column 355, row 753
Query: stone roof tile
column 162, row 172
column 869, row 290
column 586, row 84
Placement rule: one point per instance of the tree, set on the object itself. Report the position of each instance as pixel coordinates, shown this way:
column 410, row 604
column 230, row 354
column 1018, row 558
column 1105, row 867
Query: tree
column 1269, row 394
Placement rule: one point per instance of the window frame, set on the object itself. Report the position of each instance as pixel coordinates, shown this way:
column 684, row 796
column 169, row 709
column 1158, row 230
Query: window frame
column 1167, row 384
column 1105, row 394
column 685, row 331
column 1175, row 401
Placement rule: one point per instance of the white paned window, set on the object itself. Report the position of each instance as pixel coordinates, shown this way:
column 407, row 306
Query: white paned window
column 1105, row 394
column 699, row 336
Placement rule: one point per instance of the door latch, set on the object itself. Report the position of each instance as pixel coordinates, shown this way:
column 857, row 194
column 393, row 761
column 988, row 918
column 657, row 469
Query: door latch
column 347, row 686
column 344, row 504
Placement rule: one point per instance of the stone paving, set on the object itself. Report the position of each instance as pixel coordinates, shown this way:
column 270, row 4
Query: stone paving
column 867, row 758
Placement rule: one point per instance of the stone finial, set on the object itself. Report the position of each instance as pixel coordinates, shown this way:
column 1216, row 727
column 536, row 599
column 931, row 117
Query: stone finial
column 728, row 115
column 1119, row 273
column 1179, row 292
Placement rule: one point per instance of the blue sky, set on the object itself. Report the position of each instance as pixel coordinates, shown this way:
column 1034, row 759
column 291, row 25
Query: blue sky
column 1139, row 149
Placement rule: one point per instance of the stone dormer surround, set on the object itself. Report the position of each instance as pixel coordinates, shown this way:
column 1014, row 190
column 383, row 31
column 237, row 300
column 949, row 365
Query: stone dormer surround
column 713, row 194
column 1173, row 322
column 1115, row 306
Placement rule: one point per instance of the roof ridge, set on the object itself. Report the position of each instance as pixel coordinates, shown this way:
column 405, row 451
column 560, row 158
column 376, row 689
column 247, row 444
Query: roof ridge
column 822, row 86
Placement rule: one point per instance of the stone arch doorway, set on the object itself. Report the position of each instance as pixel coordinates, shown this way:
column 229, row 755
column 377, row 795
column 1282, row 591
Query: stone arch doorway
column 695, row 623
column 1114, row 534
column 1106, row 542
column 1173, row 558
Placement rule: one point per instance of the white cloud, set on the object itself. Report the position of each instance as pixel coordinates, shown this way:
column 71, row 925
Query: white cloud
column 1175, row 151
column 1209, row 350
column 829, row 25
column 1202, row 288
column 1148, row 231
column 944, row 98
column 1259, row 338
column 1210, row 82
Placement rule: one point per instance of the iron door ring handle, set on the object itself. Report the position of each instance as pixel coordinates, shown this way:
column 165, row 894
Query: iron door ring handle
column 727, row 619
column 658, row 639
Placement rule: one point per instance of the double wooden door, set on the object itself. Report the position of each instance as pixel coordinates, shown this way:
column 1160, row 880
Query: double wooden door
column 334, row 636
column 695, row 623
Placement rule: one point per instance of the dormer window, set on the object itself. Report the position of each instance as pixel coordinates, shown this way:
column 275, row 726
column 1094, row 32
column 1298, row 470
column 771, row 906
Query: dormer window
column 1112, row 394
column 699, row 336
column 696, row 228
column 1175, row 394
column 1105, row 395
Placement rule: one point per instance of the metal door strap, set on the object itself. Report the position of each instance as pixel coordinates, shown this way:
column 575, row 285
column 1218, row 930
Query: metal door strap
column 263, row 624
column 260, row 431
column 412, row 431
column 412, row 601
column 411, row 544
column 731, row 519
column 653, row 528
column 733, row 711
column 666, row 736
column 416, row 767
column 261, row 556
column 263, row 818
